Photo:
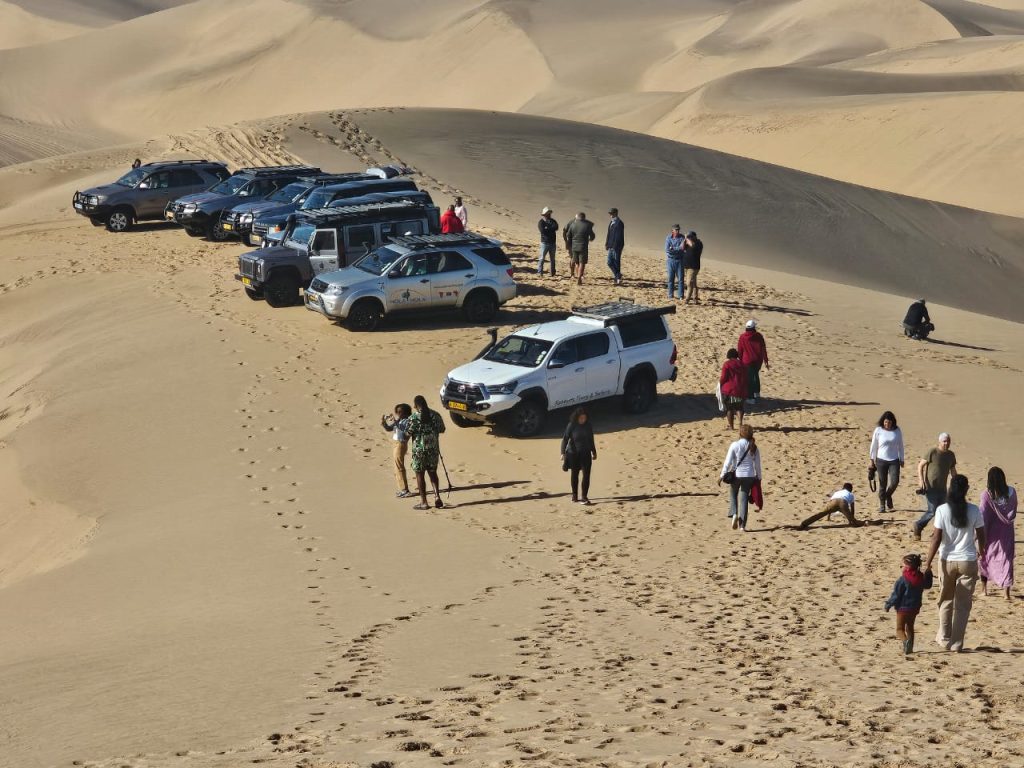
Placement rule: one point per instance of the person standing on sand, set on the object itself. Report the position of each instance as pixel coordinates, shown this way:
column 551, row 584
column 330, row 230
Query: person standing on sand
column 692, row 250
column 578, row 234
column 933, row 473
column 548, row 228
column 462, row 213
column 733, row 382
column 614, row 242
column 753, row 354
column 842, row 501
column 397, row 424
column 887, row 458
column 741, row 469
column 450, row 222
column 958, row 526
column 998, row 511
column 578, row 453
column 674, row 261
column 424, row 428
column 906, row 597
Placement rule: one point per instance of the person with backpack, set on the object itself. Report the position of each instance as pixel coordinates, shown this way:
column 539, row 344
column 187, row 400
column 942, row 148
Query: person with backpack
column 424, row 428
column 548, row 228
column 741, row 470
column 733, row 384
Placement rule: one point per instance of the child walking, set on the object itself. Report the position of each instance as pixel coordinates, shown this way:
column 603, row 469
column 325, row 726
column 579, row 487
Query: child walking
column 906, row 598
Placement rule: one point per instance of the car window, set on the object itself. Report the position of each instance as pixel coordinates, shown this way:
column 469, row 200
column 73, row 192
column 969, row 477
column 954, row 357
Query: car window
column 231, row 185
column 219, row 172
column 450, row 261
column 494, row 255
column 159, row 180
column 185, row 177
column 379, row 262
column 593, row 345
column 642, row 331
column 289, row 193
column 419, row 264
column 258, row 188
column 519, row 350
column 398, row 228
column 565, row 354
column 326, row 241
column 359, row 236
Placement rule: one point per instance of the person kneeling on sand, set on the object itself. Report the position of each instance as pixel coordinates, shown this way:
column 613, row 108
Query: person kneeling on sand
column 906, row 599
column 842, row 501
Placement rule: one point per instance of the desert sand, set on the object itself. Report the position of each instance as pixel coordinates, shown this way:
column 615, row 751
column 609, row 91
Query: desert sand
column 202, row 562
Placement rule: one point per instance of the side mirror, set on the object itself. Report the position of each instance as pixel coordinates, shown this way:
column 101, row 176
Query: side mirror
column 394, row 274
column 556, row 364
column 145, row 185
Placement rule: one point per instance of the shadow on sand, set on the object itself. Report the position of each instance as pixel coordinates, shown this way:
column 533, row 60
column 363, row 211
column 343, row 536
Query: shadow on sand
column 958, row 345
column 753, row 306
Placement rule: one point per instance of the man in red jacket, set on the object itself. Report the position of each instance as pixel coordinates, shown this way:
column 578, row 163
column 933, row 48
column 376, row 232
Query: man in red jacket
column 733, row 381
column 450, row 222
column 753, row 354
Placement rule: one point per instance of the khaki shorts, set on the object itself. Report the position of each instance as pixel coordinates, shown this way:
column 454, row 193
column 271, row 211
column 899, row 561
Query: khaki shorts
column 579, row 257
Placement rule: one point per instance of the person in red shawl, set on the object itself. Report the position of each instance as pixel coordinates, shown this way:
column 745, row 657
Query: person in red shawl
column 450, row 222
column 733, row 381
column 753, row 354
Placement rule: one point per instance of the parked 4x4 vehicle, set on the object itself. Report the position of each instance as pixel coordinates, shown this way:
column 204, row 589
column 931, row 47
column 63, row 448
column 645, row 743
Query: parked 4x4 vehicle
column 143, row 192
column 468, row 271
column 200, row 213
column 325, row 240
column 617, row 348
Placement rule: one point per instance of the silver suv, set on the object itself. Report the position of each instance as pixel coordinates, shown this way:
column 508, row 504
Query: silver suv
column 466, row 272
column 143, row 192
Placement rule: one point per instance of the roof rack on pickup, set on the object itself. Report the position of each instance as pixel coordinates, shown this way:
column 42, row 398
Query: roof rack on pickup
column 354, row 210
column 416, row 242
column 180, row 162
column 270, row 170
column 612, row 312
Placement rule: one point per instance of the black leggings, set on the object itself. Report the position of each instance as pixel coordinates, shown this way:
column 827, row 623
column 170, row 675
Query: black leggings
column 579, row 463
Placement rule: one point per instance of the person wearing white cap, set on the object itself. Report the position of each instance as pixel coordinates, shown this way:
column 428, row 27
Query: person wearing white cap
column 753, row 354
column 933, row 473
column 548, row 228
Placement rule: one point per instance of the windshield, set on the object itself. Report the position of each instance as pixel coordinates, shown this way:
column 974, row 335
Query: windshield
column 132, row 178
column 378, row 262
column 299, row 237
column 519, row 350
column 318, row 199
column 288, row 193
column 231, row 185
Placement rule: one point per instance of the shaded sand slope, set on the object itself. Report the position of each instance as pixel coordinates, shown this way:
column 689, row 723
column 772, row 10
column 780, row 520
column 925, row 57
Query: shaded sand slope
column 747, row 212
column 19, row 27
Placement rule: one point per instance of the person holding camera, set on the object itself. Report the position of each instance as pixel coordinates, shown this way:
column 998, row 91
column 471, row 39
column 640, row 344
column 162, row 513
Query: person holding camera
column 887, row 458
column 933, row 474
column 397, row 424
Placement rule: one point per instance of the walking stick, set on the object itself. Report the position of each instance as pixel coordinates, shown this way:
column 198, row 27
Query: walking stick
column 446, row 477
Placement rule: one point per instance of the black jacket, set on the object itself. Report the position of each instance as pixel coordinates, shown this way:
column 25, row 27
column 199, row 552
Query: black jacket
column 917, row 314
column 615, row 240
column 691, row 253
column 548, row 229
column 578, row 235
column 579, row 439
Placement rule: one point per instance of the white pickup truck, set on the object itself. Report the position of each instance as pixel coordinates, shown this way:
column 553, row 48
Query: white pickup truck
column 618, row 348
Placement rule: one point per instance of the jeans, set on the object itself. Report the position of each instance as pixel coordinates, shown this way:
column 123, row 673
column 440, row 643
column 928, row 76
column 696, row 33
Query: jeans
column 888, row 480
column 956, row 588
column 615, row 263
column 546, row 249
column 739, row 496
column 935, row 497
column 674, row 269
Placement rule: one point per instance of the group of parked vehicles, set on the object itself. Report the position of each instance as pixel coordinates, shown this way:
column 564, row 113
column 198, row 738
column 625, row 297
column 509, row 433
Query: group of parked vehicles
column 359, row 247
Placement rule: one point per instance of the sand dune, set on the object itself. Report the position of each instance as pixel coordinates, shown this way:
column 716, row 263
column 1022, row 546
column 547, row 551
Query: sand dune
column 20, row 28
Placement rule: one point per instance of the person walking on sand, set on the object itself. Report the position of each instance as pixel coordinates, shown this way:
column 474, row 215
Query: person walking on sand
column 548, row 228
column 959, row 538
column 906, row 597
column 933, row 473
column 578, row 234
column 424, row 428
column 450, row 222
column 674, row 261
column 887, row 458
column 998, row 511
column 397, row 424
column 843, row 502
column 741, row 469
column 692, row 249
column 733, row 383
column 578, row 453
column 462, row 212
column 753, row 354
column 614, row 242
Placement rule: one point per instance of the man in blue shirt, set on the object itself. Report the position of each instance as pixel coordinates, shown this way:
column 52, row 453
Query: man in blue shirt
column 674, row 260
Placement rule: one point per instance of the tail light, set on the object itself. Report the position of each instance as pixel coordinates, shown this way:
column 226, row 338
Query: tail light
column 672, row 357
column 510, row 270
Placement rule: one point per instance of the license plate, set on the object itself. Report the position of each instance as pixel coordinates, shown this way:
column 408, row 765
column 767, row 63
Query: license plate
column 78, row 206
column 457, row 406
column 226, row 226
column 312, row 298
column 169, row 215
column 246, row 281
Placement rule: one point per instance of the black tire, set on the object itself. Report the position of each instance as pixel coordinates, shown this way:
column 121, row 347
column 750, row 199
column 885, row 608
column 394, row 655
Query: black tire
column 527, row 419
column 364, row 316
column 254, row 295
column 480, row 307
column 461, row 421
column 193, row 232
column 97, row 222
column 281, row 290
column 640, row 394
column 215, row 232
column 119, row 220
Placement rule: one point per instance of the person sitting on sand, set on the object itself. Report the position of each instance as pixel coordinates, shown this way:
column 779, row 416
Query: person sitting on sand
column 842, row 501
column 917, row 324
column 906, row 599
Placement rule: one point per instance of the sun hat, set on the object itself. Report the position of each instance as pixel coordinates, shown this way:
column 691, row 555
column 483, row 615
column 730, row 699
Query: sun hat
column 546, row 210
column 751, row 324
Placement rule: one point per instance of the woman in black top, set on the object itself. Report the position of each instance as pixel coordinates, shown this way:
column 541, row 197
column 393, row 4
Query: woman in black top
column 578, row 451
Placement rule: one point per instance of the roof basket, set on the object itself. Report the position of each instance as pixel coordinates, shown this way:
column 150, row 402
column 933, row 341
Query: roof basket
column 612, row 312
column 180, row 162
column 432, row 241
column 269, row 170
column 363, row 208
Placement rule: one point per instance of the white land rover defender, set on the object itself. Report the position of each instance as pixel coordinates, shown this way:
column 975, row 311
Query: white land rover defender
column 618, row 348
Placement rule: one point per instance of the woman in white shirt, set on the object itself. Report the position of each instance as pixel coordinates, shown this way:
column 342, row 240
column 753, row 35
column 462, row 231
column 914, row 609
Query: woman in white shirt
column 957, row 526
column 744, row 459
column 887, row 458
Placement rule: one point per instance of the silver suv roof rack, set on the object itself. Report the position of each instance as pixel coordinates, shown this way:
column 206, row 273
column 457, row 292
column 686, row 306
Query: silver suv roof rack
column 342, row 211
column 181, row 162
column 417, row 242
column 612, row 312
column 272, row 170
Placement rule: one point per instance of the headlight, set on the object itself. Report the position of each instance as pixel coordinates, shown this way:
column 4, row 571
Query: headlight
column 245, row 218
column 92, row 199
column 335, row 290
column 259, row 268
column 275, row 228
column 503, row 389
column 190, row 207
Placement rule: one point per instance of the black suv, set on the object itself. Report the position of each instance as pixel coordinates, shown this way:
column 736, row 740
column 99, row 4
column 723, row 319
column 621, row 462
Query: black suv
column 143, row 192
column 200, row 213
column 327, row 239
